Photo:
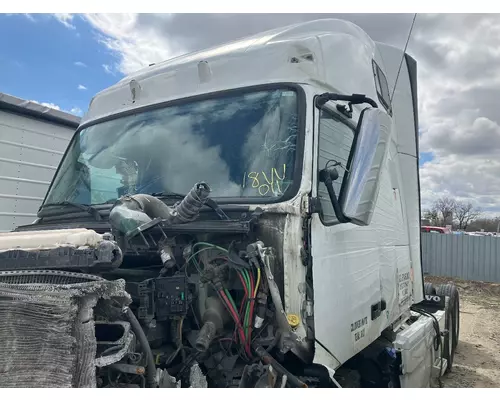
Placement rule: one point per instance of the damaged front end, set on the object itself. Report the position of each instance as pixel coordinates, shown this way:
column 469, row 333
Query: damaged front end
column 170, row 298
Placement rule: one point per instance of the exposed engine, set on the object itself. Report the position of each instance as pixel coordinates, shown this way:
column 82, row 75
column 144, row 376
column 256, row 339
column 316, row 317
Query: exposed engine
column 168, row 299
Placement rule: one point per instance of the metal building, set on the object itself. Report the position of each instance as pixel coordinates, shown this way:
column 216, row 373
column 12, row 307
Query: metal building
column 33, row 139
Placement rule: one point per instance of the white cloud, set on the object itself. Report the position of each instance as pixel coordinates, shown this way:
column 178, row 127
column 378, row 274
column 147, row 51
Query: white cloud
column 134, row 46
column 108, row 69
column 81, row 87
column 468, row 134
column 463, row 177
column 65, row 19
column 76, row 111
column 80, row 64
column 458, row 88
column 49, row 105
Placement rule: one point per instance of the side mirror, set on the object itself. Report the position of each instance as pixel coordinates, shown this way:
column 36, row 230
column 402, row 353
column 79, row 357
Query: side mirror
column 359, row 193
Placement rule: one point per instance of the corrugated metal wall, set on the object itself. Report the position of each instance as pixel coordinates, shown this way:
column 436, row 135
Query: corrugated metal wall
column 30, row 151
column 475, row 258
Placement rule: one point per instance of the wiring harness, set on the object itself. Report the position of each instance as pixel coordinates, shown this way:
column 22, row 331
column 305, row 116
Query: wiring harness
column 250, row 277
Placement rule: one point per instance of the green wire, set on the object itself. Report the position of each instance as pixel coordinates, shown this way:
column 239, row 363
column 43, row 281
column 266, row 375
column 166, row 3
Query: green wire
column 209, row 245
column 247, row 316
column 247, row 310
column 195, row 261
column 246, row 278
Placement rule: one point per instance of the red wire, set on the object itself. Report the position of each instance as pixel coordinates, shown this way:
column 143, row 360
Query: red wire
column 250, row 316
column 252, row 283
column 243, row 304
column 232, row 311
column 244, row 299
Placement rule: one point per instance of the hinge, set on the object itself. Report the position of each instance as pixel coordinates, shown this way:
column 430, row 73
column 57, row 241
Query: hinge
column 314, row 205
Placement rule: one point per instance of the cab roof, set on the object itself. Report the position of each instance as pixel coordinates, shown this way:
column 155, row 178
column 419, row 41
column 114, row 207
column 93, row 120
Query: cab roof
column 326, row 52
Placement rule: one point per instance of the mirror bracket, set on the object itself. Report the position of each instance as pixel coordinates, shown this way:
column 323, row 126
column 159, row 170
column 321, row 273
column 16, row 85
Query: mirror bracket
column 345, row 110
column 327, row 176
column 324, row 98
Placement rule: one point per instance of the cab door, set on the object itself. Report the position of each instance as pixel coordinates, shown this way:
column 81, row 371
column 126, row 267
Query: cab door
column 352, row 264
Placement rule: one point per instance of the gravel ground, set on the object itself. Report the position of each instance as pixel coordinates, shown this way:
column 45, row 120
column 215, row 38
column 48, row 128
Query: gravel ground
column 477, row 359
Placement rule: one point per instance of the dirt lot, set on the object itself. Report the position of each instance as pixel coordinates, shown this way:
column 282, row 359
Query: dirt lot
column 477, row 359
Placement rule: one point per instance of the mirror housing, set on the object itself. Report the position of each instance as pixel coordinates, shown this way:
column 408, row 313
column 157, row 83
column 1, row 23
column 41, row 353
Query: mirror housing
column 360, row 189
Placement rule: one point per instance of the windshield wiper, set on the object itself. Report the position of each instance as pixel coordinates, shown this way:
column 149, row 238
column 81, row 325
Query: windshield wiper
column 166, row 195
column 84, row 207
column 214, row 206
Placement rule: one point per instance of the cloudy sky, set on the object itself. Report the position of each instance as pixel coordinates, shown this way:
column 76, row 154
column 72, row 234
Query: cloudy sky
column 62, row 60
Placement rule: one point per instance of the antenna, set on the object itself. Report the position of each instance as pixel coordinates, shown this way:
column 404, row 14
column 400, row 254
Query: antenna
column 403, row 56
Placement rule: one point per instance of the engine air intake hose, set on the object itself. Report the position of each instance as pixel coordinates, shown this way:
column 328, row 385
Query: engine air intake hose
column 130, row 212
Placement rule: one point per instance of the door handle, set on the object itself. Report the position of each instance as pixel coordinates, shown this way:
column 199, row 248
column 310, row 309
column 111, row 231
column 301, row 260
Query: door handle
column 377, row 309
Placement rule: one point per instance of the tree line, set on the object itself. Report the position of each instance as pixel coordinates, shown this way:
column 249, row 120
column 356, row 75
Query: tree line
column 459, row 214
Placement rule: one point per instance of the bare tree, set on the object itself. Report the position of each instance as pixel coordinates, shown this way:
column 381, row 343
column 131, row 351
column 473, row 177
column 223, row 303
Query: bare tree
column 432, row 215
column 445, row 206
column 488, row 224
column 465, row 213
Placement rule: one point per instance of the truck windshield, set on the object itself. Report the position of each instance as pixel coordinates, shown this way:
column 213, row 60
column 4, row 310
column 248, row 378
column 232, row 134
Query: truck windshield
column 243, row 145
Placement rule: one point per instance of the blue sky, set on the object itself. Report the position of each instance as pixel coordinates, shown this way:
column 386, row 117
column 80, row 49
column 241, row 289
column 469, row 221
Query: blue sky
column 43, row 60
column 425, row 157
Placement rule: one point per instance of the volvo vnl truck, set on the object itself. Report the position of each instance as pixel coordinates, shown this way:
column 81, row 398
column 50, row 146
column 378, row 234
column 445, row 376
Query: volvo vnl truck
column 242, row 216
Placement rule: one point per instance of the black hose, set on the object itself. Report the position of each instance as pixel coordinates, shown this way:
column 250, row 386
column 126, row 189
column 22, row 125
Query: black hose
column 139, row 333
column 188, row 209
column 152, row 206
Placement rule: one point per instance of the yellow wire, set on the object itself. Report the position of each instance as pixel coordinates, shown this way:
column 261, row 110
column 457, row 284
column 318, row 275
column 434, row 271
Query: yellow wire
column 180, row 329
column 257, row 285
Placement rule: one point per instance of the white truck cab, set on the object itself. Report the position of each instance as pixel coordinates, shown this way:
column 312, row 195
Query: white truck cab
column 260, row 201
